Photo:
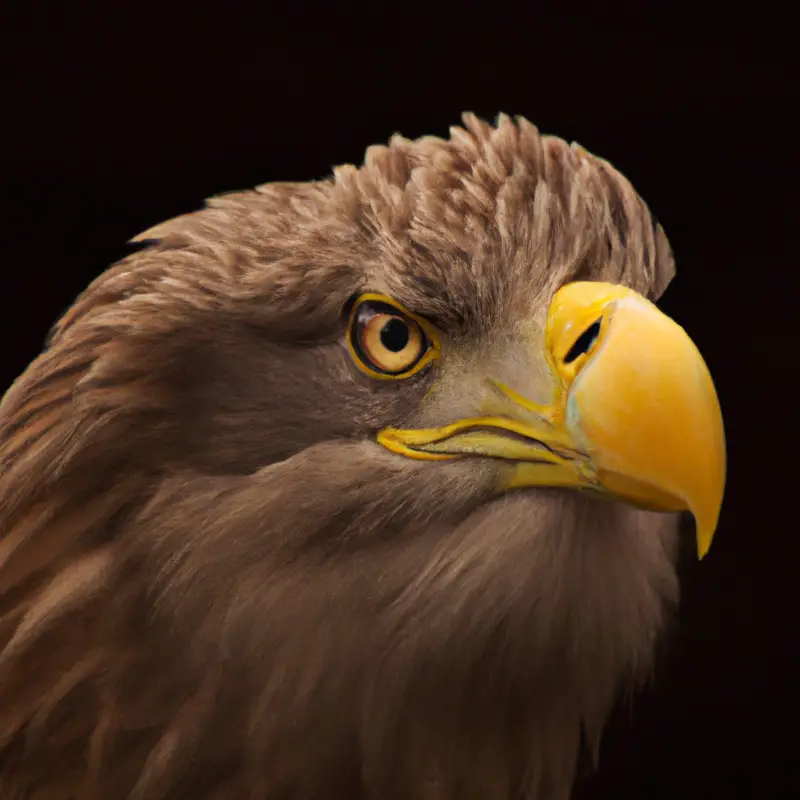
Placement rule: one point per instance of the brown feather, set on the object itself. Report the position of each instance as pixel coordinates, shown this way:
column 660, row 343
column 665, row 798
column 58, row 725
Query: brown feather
column 213, row 583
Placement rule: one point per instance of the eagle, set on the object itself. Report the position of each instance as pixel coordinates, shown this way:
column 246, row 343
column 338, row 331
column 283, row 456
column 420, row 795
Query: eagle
column 365, row 487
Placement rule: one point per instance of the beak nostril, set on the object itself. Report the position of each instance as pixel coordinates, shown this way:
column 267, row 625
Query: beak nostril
column 584, row 342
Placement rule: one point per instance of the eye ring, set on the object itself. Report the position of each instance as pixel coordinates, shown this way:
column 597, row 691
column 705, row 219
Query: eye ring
column 386, row 341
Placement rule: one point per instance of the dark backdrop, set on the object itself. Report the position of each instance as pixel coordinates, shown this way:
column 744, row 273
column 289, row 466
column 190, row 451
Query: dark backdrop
column 110, row 126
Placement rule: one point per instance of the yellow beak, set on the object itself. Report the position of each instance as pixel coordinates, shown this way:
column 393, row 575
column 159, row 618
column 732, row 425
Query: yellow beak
column 635, row 415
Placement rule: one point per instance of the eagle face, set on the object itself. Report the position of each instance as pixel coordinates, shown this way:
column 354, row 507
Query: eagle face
column 358, row 488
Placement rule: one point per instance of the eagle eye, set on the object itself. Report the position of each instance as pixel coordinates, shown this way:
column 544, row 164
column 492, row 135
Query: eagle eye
column 386, row 341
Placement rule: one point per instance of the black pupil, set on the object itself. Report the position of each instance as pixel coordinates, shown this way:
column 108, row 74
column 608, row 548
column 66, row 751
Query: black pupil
column 395, row 335
column 583, row 342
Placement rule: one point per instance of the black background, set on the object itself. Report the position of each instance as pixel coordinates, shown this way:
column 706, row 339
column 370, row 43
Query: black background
column 110, row 125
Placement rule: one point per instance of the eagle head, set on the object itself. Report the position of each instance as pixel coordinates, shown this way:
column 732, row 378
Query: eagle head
column 359, row 488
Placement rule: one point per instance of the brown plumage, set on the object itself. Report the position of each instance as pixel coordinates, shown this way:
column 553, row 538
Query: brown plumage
column 213, row 582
